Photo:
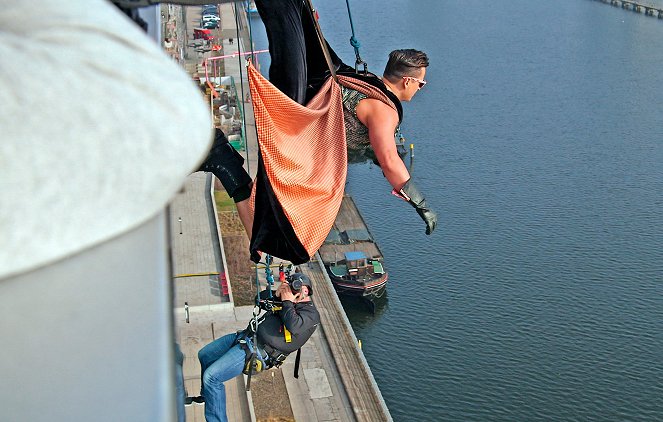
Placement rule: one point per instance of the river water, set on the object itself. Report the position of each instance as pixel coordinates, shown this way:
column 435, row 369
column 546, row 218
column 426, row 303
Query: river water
column 539, row 142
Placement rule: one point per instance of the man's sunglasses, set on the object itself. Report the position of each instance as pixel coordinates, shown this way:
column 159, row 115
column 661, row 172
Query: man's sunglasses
column 421, row 81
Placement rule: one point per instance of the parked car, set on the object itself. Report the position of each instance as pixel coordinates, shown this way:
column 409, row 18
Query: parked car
column 210, row 25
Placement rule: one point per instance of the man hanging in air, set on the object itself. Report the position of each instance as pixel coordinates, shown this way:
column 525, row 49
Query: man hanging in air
column 372, row 113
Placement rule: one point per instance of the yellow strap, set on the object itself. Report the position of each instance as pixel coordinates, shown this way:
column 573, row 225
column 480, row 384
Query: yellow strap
column 196, row 274
column 288, row 336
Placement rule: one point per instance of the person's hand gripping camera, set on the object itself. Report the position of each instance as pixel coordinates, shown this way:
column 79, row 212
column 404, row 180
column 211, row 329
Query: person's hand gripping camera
column 291, row 287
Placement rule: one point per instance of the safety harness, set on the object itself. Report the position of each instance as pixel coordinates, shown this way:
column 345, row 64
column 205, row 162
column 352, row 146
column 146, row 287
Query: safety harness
column 260, row 357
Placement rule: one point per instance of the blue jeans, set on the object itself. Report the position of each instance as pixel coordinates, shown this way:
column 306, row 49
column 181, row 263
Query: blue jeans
column 220, row 361
column 179, row 382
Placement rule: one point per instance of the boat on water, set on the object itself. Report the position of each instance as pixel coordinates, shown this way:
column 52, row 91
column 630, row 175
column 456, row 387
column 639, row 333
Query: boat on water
column 351, row 256
column 358, row 275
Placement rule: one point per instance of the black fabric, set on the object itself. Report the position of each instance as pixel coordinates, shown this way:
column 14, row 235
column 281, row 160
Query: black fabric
column 317, row 69
column 287, row 46
column 226, row 164
column 294, row 49
column 242, row 193
column 316, row 63
column 272, row 233
column 132, row 13
column 297, row 359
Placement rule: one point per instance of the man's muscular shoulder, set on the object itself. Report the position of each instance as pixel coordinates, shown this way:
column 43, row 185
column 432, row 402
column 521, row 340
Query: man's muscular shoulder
column 371, row 111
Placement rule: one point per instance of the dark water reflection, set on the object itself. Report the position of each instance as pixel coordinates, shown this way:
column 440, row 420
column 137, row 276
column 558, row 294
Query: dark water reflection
column 363, row 312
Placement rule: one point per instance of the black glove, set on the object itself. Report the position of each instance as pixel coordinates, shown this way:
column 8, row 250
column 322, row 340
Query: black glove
column 412, row 195
column 226, row 164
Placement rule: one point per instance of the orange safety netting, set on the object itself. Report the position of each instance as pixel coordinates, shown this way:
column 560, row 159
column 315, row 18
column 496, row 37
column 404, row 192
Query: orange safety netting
column 304, row 154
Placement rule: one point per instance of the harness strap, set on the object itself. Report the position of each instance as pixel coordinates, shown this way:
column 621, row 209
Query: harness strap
column 254, row 361
column 247, row 368
column 275, row 356
column 287, row 335
column 267, row 355
column 297, row 358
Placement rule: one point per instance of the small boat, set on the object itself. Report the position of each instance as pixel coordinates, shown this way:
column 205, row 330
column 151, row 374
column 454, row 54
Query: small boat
column 358, row 275
column 251, row 7
column 351, row 256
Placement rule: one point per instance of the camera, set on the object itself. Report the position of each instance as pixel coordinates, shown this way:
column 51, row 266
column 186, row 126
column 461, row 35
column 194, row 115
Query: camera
column 294, row 280
column 267, row 301
column 297, row 280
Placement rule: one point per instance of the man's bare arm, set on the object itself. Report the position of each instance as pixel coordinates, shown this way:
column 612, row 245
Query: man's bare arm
column 381, row 121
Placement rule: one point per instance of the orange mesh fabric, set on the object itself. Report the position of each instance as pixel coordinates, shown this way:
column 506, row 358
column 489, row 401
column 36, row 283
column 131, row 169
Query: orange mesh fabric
column 304, row 154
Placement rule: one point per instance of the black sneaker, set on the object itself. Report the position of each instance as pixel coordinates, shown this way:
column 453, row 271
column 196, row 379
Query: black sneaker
column 194, row 400
column 226, row 164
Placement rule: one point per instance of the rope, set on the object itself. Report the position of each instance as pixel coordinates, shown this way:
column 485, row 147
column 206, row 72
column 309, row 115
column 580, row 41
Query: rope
column 354, row 42
column 248, row 19
column 269, row 275
column 254, row 325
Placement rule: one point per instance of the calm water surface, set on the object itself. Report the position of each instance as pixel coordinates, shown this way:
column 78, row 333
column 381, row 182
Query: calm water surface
column 539, row 141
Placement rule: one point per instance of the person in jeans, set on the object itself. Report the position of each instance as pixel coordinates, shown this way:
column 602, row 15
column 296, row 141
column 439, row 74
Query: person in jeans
column 279, row 333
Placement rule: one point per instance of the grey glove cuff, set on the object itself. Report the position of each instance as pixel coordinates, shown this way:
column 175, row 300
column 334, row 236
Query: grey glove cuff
column 412, row 195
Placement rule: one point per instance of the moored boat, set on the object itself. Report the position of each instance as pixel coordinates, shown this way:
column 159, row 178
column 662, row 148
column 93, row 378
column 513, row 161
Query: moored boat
column 358, row 275
column 351, row 257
